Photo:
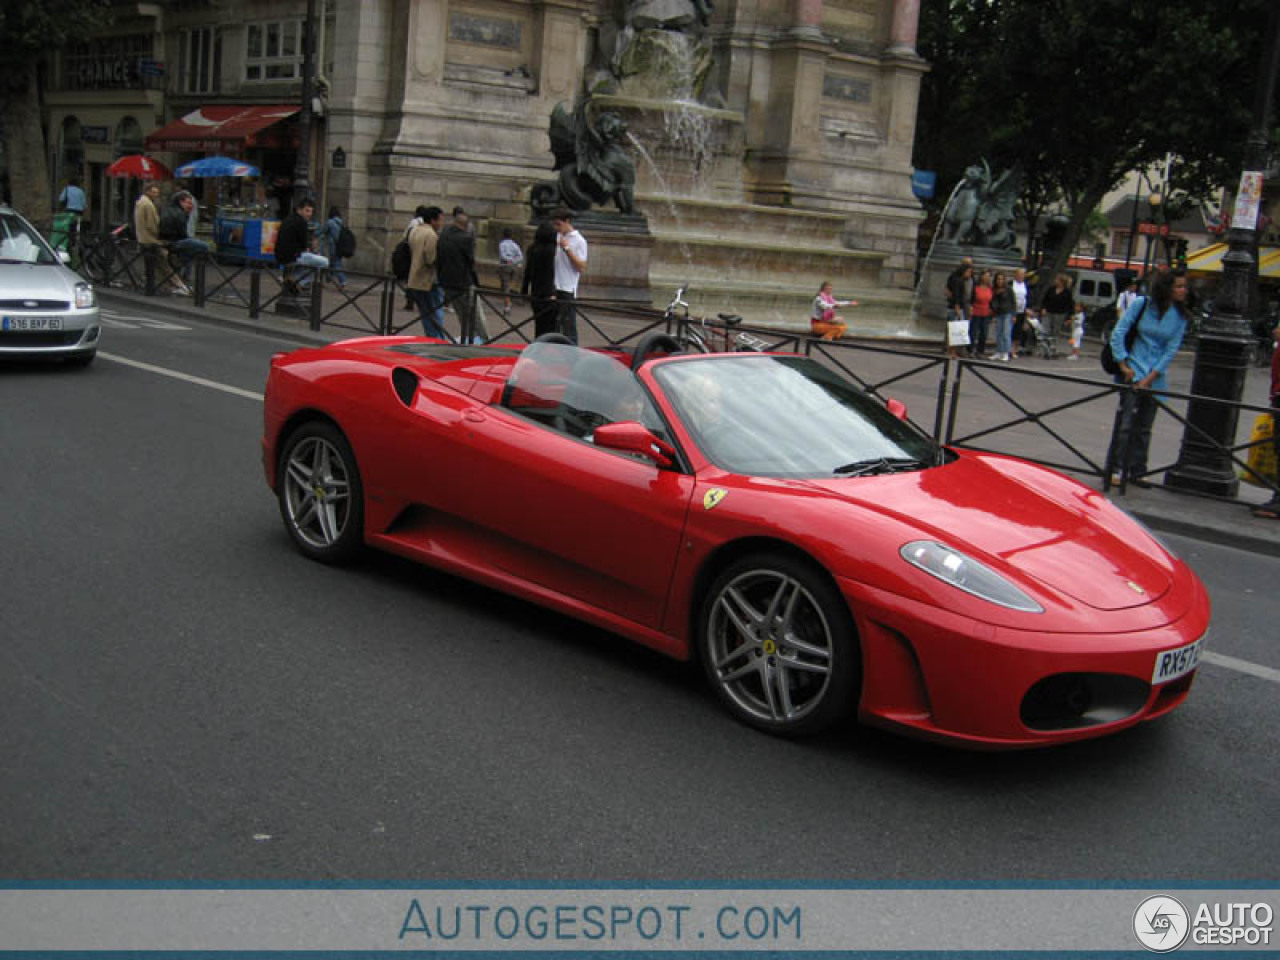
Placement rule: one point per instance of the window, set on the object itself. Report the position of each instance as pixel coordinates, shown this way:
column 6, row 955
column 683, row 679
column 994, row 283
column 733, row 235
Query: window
column 273, row 51
column 200, row 60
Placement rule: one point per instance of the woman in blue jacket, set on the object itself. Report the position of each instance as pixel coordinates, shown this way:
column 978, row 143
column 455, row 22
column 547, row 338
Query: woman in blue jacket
column 1161, row 319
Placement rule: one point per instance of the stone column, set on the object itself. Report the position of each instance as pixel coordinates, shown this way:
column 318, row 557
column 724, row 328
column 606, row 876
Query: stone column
column 903, row 26
column 806, row 19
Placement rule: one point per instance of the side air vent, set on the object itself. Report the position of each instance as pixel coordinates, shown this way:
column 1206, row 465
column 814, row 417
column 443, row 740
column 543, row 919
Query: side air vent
column 405, row 383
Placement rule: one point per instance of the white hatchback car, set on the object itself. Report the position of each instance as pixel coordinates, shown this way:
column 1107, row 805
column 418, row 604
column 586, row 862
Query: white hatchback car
column 46, row 308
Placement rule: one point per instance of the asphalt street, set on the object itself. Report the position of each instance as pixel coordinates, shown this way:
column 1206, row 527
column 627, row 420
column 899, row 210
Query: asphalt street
column 185, row 698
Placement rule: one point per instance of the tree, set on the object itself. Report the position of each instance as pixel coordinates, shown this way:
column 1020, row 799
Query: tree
column 31, row 28
column 1085, row 91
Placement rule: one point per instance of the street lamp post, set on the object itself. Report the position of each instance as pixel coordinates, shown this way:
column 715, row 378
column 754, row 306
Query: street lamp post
column 1222, row 355
column 302, row 165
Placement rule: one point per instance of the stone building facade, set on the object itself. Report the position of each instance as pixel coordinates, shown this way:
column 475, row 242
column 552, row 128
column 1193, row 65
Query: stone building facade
column 810, row 106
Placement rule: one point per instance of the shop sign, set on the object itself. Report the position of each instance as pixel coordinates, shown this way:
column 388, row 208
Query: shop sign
column 150, row 68
column 95, row 134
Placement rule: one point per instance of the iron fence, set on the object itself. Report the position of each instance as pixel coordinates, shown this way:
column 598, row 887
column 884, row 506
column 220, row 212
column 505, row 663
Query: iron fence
column 961, row 391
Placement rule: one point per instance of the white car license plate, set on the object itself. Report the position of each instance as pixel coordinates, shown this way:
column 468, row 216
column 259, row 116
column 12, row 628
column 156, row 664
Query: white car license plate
column 31, row 323
column 1172, row 664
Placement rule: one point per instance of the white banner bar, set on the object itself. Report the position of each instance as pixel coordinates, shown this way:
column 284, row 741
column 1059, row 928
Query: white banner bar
column 649, row 919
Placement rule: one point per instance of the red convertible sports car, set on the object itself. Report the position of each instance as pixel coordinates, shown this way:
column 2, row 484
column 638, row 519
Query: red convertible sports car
column 815, row 552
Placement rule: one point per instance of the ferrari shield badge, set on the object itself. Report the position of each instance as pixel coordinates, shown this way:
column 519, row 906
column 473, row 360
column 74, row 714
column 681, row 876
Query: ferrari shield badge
column 713, row 497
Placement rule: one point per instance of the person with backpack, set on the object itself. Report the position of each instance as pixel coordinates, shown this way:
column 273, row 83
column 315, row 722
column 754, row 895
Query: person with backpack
column 339, row 243
column 1143, row 359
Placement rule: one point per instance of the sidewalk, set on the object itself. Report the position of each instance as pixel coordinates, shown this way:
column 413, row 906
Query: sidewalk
column 1230, row 524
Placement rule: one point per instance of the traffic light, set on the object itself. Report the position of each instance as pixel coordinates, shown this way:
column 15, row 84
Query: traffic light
column 1180, row 251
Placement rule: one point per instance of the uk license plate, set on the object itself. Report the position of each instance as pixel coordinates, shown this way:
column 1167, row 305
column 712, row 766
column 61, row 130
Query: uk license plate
column 31, row 323
column 1172, row 664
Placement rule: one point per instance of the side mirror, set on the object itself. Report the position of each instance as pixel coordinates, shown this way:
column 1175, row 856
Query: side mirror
column 897, row 408
column 629, row 436
column 64, row 256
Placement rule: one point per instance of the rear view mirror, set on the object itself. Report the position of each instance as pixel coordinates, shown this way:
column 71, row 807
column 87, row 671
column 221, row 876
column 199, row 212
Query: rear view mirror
column 629, row 436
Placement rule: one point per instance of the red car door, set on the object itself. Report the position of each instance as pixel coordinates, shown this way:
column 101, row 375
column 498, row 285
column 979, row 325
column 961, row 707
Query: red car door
column 593, row 524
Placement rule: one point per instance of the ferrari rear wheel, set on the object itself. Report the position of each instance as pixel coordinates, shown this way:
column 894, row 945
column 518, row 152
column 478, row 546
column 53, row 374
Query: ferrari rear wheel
column 779, row 646
column 321, row 499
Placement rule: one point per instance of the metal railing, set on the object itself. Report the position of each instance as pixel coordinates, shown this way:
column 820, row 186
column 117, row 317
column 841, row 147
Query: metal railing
column 1032, row 425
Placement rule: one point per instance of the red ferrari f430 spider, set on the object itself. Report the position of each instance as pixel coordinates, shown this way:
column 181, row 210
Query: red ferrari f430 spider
column 814, row 551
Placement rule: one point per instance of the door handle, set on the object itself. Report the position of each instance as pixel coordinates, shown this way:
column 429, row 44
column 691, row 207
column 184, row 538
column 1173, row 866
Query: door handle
column 474, row 416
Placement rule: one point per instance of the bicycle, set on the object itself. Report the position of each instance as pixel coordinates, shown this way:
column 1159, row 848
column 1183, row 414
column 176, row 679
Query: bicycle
column 701, row 338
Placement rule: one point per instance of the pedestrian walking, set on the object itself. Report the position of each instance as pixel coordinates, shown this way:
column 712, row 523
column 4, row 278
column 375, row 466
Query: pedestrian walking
column 959, row 305
column 1161, row 319
column 823, row 321
column 1077, row 332
column 571, row 261
column 418, row 219
column 1056, row 306
column 980, row 319
column 1023, row 335
column 510, row 260
column 456, row 273
column 421, row 285
column 73, row 200
column 1002, row 308
column 332, row 234
column 539, row 282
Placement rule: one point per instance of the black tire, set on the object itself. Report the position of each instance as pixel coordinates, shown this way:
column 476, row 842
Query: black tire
column 320, row 494
column 779, row 646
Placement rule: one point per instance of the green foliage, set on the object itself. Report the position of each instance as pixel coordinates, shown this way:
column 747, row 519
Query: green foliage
column 31, row 27
column 1082, row 91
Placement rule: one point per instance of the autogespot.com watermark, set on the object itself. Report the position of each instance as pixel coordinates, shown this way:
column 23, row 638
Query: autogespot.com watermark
column 1162, row 924
column 435, row 924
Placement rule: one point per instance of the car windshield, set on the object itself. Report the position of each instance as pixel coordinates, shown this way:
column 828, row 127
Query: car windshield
column 574, row 391
column 782, row 416
column 19, row 243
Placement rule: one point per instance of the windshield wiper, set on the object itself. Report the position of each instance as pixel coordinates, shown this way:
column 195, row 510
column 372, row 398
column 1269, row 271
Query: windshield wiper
column 861, row 468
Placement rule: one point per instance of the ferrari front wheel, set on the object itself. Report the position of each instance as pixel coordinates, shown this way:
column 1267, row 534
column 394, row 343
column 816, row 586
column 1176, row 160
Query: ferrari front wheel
column 321, row 500
column 779, row 646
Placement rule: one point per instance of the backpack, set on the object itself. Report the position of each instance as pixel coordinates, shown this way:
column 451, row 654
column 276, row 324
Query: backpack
column 1108, row 359
column 401, row 260
column 347, row 243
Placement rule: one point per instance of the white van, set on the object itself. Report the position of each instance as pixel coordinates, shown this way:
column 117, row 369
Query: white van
column 1093, row 288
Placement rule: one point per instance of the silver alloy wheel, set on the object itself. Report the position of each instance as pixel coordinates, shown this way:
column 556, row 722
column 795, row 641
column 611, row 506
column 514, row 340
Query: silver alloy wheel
column 317, row 492
column 771, row 648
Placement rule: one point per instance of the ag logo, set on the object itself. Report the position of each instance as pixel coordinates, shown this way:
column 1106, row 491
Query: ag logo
column 713, row 496
column 1161, row 924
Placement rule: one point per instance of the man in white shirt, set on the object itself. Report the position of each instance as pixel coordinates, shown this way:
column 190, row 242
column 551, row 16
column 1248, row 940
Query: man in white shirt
column 571, row 261
column 1126, row 298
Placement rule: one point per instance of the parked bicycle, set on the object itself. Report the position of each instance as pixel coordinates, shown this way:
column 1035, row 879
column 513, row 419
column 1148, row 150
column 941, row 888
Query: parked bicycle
column 697, row 335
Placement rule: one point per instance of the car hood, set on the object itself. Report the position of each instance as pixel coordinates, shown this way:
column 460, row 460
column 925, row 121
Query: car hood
column 1027, row 522
column 34, row 281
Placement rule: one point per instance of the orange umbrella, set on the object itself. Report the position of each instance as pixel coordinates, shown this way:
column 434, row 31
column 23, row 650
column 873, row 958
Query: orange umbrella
column 141, row 166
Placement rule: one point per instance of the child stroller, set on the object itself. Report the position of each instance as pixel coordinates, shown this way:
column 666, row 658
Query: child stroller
column 1046, row 342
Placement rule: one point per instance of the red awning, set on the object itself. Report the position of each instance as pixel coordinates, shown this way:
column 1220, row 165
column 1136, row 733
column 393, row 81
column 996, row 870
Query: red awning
column 224, row 129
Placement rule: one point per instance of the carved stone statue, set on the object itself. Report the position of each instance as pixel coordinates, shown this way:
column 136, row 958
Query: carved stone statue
column 593, row 166
column 981, row 212
column 654, row 49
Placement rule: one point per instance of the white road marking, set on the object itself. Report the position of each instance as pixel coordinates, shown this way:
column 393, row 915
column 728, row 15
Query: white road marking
column 1243, row 666
column 178, row 375
column 132, row 323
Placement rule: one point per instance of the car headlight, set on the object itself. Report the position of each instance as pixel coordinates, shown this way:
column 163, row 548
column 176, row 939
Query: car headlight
column 85, row 297
column 967, row 574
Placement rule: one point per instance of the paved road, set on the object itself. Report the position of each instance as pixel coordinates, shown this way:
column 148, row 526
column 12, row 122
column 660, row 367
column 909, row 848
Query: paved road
column 183, row 697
